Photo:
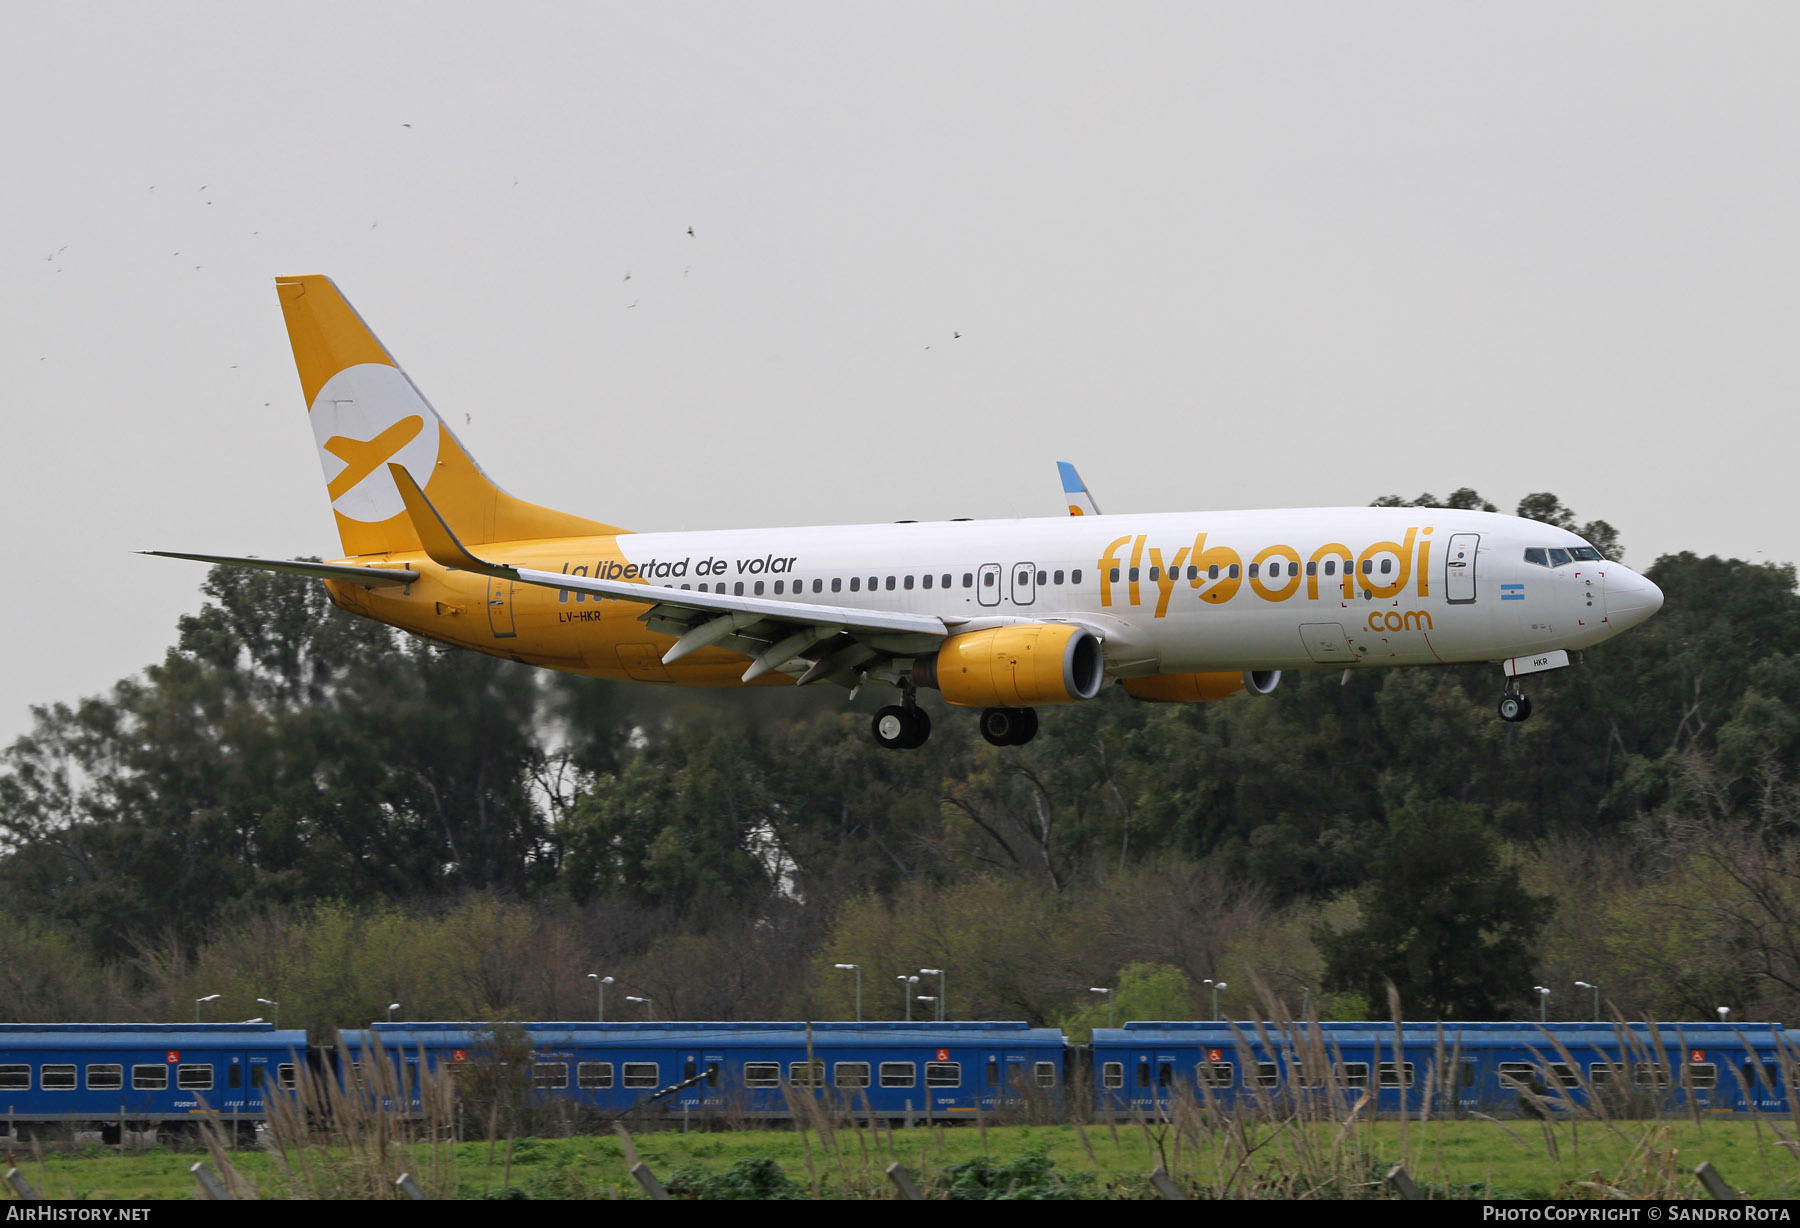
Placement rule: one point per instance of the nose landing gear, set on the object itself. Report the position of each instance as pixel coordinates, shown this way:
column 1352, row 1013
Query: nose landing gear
column 1514, row 706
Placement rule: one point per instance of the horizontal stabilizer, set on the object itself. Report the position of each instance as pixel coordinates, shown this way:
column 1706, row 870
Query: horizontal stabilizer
column 371, row 577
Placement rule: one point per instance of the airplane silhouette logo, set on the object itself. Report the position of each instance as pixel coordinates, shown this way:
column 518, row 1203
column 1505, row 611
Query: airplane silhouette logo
column 362, row 457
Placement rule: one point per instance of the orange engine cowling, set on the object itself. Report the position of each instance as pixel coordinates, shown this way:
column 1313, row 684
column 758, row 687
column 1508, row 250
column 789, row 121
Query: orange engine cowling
column 1199, row 688
column 1015, row 667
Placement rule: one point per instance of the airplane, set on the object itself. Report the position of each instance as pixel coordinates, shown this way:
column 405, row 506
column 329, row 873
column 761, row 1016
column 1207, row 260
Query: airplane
column 1004, row 616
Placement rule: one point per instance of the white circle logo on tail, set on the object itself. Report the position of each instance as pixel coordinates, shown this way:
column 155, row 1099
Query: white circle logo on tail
column 365, row 418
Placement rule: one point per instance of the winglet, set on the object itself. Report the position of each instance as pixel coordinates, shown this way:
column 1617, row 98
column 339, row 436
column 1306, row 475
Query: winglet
column 436, row 536
column 1075, row 491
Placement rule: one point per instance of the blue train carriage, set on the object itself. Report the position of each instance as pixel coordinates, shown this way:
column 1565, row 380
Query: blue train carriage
column 925, row 1071
column 1142, row 1069
column 142, row 1076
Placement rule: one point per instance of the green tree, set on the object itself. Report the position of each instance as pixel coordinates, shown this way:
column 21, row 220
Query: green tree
column 1444, row 919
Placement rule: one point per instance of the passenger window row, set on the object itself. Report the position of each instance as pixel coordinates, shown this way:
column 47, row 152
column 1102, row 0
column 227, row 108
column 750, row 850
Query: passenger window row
column 148, row 1076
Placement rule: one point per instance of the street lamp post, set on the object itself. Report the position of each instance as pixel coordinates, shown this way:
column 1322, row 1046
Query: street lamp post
column 649, row 1006
column 600, row 984
column 211, row 997
column 856, row 968
column 392, row 1007
column 906, row 984
column 1109, row 1002
column 942, row 997
column 1543, row 993
column 1596, row 989
column 275, row 1006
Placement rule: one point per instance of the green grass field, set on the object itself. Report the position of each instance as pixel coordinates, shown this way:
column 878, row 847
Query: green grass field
column 1469, row 1158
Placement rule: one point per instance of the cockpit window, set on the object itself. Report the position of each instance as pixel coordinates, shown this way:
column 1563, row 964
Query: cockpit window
column 1536, row 554
column 1553, row 556
column 1558, row 557
column 1586, row 554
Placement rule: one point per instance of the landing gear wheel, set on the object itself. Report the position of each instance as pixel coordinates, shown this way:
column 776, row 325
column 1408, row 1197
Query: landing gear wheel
column 1009, row 726
column 894, row 727
column 901, row 728
column 1514, row 707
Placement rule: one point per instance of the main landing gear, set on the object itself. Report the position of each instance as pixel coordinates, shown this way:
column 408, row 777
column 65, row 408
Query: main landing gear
column 1514, row 706
column 1009, row 726
column 902, row 726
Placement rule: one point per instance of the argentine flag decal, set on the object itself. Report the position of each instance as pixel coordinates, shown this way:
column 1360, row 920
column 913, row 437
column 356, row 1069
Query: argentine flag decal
column 1512, row 592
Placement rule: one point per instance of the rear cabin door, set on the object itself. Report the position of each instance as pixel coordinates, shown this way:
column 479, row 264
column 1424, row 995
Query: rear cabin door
column 987, row 584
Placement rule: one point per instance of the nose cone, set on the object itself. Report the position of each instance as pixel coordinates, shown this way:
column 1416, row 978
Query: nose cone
column 1630, row 598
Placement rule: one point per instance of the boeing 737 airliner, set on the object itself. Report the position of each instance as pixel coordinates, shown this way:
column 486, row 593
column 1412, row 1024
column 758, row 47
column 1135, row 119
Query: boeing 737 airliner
column 1003, row 616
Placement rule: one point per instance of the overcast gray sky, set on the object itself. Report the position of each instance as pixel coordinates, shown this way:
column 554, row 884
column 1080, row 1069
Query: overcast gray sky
column 1218, row 255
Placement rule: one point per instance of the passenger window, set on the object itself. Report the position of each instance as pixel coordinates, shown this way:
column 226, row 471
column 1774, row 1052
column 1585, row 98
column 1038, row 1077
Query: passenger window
column 1212, row 573
column 759, row 587
column 1253, row 574
column 988, row 580
column 1115, row 575
column 1312, row 569
column 819, row 585
column 947, row 580
column 1155, row 574
column 1059, row 577
column 1024, row 579
column 926, row 578
column 1233, row 571
column 968, row 579
column 1075, row 576
column 1041, row 577
column 856, row 584
column 1368, row 567
column 1193, row 572
column 875, row 583
column 837, row 584
column 890, row 584
column 1387, row 565
column 909, row 583
column 778, row 584
column 1134, row 575
column 1331, row 567
column 737, row 590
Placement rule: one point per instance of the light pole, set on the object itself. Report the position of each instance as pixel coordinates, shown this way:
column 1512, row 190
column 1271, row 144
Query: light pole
column 211, row 997
column 1724, row 1014
column 1543, row 994
column 1305, row 1002
column 275, row 1006
column 392, row 1007
column 600, row 984
column 856, row 968
column 1109, row 1002
column 941, row 995
column 1217, row 986
column 649, row 1006
column 906, row 984
column 1596, row 989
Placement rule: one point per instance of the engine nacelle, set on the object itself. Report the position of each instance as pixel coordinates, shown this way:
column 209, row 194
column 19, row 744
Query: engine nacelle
column 1016, row 667
column 1200, row 688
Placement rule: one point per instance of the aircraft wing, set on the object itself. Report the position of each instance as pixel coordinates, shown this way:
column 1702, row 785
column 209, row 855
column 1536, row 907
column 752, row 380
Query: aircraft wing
column 371, row 577
column 776, row 633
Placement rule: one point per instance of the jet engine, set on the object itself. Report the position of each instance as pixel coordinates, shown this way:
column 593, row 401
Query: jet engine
column 1199, row 688
column 1016, row 667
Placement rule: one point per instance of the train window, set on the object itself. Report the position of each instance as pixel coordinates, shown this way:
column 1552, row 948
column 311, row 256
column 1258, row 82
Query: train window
column 762, row 1074
column 1113, row 1074
column 1394, row 1074
column 1651, row 1074
column 287, row 1076
column 1701, row 1075
column 56, row 1078
column 1216, row 1074
column 1143, row 1074
column 1307, row 1077
column 1602, row 1073
column 1353, row 1074
column 993, row 1073
column 1564, row 1075
column 807, row 1074
column 850, row 1074
column 105, row 1077
column 256, row 1077
column 943, row 1074
column 1046, row 1074
column 1268, row 1074
column 898, row 1074
column 234, row 1077
column 17, row 1078
column 149, row 1078
column 1517, row 1075
column 1165, row 1074
column 689, row 1070
column 712, row 1074
column 640, row 1074
column 549, row 1076
column 592, row 1076
column 194, row 1076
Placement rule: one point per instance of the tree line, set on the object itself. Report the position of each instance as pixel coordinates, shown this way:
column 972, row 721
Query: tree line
column 334, row 816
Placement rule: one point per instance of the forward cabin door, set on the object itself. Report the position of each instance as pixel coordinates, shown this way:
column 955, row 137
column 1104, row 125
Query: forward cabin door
column 987, row 584
column 1459, row 568
column 1024, row 586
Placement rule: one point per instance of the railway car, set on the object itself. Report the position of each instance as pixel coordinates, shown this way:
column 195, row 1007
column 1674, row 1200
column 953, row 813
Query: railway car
column 141, row 1076
column 918, row 1071
column 1142, row 1069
